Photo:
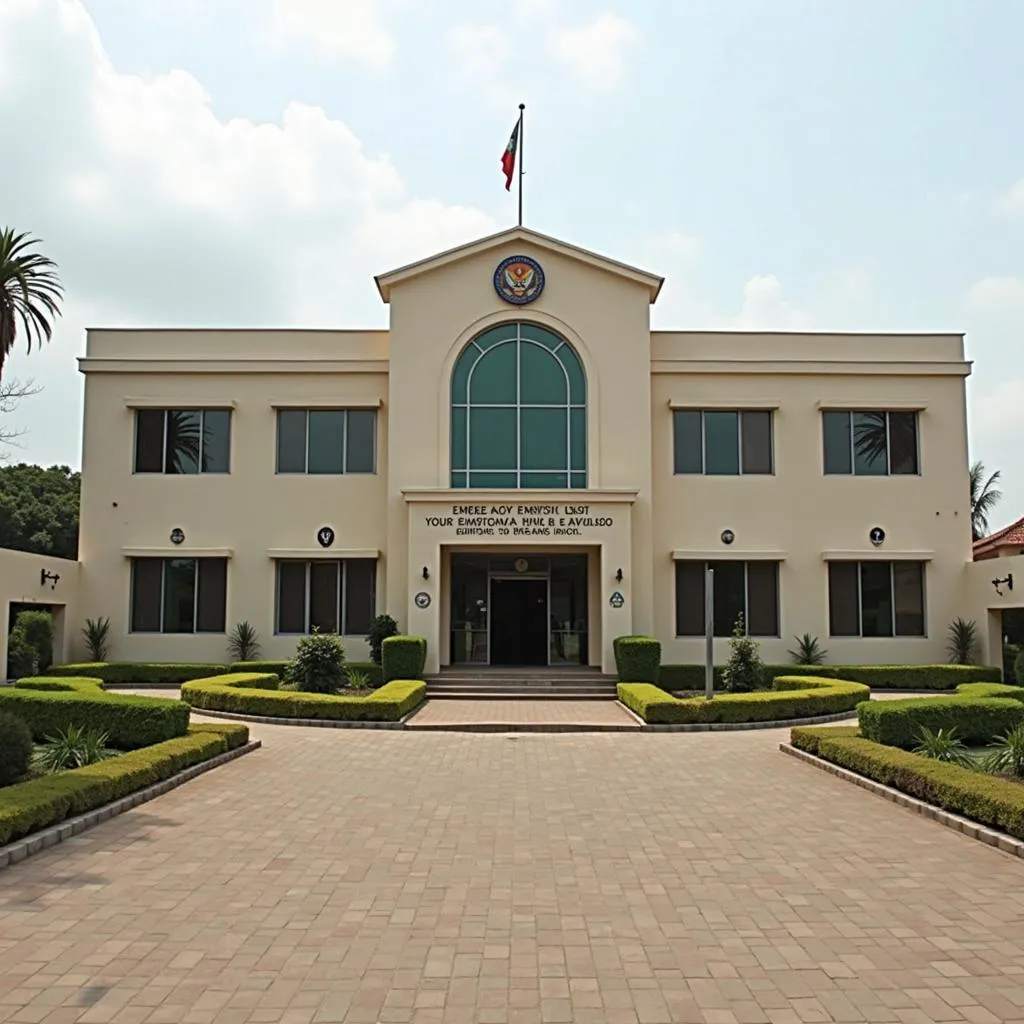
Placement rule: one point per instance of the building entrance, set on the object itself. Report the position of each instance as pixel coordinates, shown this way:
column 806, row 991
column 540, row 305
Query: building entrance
column 519, row 610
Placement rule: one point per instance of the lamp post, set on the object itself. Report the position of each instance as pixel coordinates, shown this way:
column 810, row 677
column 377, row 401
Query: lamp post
column 709, row 633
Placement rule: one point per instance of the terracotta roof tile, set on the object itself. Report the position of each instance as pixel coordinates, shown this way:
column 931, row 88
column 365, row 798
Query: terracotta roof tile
column 1009, row 535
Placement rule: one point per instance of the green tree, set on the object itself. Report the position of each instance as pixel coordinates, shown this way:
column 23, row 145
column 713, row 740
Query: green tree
column 30, row 293
column 984, row 498
column 39, row 509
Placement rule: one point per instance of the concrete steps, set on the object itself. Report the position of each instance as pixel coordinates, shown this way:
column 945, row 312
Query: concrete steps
column 521, row 684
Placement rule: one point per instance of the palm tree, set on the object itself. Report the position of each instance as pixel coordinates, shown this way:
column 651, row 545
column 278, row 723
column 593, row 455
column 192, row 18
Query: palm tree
column 30, row 293
column 984, row 498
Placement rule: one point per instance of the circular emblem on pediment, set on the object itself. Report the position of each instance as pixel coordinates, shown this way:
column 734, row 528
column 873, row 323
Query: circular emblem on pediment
column 519, row 280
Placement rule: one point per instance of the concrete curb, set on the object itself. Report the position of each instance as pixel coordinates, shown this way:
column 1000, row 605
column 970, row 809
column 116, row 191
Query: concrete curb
column 981, row 833
column 785, row 723
column 315, row 723
column 17, row 851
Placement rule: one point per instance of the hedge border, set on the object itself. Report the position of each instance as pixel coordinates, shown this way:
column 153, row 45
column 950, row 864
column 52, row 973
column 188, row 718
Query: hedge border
column 956, row 822
column 41, row 839
column 780, row 723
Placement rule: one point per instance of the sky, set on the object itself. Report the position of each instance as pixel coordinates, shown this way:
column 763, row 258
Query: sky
column 786, row 164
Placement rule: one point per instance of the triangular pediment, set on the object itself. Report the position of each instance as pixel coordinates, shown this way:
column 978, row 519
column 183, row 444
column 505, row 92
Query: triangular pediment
column 385, row 282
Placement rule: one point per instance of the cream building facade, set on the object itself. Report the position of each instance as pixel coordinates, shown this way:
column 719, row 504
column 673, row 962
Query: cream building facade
column 520, row 470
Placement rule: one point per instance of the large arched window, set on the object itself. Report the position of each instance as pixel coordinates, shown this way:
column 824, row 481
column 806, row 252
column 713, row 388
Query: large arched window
column 519, row 411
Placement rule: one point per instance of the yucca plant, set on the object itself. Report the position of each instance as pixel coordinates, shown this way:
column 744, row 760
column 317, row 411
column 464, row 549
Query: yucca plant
column 357, row 679
column 808, row 651
column 962, row 641
column 72, row 747
column 96, row 633
column 243, row 642
column 1006, row 756
column 943, row 745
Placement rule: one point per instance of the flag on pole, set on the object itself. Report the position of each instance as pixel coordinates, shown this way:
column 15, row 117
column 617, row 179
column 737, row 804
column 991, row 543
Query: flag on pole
column 508, row 158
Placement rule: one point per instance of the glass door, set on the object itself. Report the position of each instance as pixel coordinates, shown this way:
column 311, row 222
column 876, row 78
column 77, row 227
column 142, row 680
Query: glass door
column 469, row 610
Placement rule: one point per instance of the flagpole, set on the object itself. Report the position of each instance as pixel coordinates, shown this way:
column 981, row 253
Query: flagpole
column 522, row 107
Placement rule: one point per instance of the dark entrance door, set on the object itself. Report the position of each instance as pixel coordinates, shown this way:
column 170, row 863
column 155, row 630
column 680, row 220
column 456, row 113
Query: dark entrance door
column 519, row 622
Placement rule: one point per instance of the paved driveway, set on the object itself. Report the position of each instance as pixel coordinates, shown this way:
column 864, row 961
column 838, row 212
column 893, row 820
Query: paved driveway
column 357, row 876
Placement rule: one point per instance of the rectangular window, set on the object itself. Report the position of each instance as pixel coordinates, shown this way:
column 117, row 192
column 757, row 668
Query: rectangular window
column 183, row 441
column 178, row 595
column 870, row 443
column 750, row 589
column 327, row 442
column 327, row 594
column 876, row 599
column 723, row 443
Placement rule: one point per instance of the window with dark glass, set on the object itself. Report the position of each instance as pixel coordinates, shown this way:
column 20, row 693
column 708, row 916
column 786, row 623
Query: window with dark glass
column 876, row 599
column 326, row 441
column 723, row 442
column 178, row 595
column 518, row 411
column 333, row 596
column 750, row 589
column 870, row 443
column 182, row 440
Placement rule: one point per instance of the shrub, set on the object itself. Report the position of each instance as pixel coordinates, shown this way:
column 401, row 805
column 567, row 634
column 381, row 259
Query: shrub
column 943, row 745
column 38, row 630
column 15, row 748
column 130, row 673
column 403, row 657
column 745, row 671
column 51, row 705
column 637, row 659
column 382, row 627
column 1018, row 668
column 962, row 642
column 793, row 697
column 254, row 694
column 319, row 663
column 72, row 747
column 29, row 806
column 991, row 801
column 243, row 642
column 276, row 668
column 1007, row 754
column 898, row 723
column 96, row 634
column 990, row 690
column 808, row 650
column 357, row 680
column 22, row 659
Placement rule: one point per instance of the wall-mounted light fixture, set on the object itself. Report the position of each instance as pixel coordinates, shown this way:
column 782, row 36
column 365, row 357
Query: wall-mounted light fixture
column 426, row 573
column 44, row 576
column 618, row 575
column 1007, row 580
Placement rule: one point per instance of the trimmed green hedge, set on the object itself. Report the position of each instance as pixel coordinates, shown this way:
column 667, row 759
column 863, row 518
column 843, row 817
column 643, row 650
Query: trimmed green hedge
column 637, row 658
column 48, row 705
column 878, row 677
column 30, row 806
column 793, row 697
column 986, row 799
column 127, row 673
column 403, row 657
column 254, row 694
column 898, row 723
column 990, row 690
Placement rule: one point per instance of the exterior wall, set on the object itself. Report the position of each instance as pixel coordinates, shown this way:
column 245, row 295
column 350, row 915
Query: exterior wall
column 986, row 606
column 799, row 514
column 246, row 514
column 20, row 583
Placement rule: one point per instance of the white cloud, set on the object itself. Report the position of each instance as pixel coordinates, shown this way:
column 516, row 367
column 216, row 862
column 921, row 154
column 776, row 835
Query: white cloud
column 336, row 28
column 997, row 294
column 595, row 52
column 159, row 212
column 1011, row 203
column 765, row 308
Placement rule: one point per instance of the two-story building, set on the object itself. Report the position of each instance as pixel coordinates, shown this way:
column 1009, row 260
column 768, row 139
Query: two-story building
column 520, row 470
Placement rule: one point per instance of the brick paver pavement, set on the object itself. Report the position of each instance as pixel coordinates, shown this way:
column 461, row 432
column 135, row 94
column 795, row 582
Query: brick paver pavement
column 620, row 878
column 440, row 714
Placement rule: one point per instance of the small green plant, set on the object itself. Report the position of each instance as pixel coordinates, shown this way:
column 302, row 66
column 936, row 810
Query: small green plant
column 243, row 642
column 1006, row 756
column 381, row 628
column 96, row 634
column 75, row 746
column 1018, row 667
column 38, row 630
column 962, row 641
column 943, row 745
column 357, row 679
column 808, row 651
column 22, row 658
column 15, row 748
column 745, row 671
column 319, row 663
